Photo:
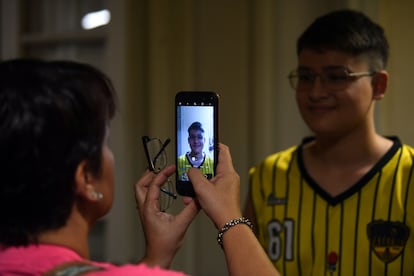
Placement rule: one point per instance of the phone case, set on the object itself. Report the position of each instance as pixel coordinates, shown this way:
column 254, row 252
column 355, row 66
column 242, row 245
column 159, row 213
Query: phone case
column 196, row 117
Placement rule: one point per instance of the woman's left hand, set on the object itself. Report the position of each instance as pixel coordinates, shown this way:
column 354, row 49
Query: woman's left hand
column 164, row 232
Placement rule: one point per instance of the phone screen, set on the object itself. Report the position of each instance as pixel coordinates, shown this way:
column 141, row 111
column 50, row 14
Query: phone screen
column 196, row 136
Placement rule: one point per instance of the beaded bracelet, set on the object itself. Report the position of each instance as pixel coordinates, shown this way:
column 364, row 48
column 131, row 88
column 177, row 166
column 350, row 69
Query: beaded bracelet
column 230, row 224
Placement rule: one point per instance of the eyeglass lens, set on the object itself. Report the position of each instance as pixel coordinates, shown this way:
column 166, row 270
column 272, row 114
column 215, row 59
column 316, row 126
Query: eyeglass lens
column 157, row 156
column 167, row 196
column 333, row 79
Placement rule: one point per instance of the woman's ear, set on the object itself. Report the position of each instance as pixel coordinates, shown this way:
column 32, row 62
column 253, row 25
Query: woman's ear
column 84, row 180
column 379, row 84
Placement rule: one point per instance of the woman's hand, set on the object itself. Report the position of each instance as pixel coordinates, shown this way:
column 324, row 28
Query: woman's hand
column 164, row 232
column 220, row 197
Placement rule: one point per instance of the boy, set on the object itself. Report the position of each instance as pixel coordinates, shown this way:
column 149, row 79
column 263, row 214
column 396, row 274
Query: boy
column 341, row 201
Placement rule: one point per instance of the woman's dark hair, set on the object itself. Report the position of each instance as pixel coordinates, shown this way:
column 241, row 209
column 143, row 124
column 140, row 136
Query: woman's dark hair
column 347, row 31
column 53, row 115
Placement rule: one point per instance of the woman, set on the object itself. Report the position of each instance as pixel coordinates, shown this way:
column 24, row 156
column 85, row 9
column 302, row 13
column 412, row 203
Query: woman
column 58, row 179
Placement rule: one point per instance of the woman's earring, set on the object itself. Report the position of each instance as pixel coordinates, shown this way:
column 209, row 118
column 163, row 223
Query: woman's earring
column 98, row 196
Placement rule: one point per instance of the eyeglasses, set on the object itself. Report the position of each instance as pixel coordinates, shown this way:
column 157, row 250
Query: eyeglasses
column 157, row 160
column 332, row 79
column 196, row 137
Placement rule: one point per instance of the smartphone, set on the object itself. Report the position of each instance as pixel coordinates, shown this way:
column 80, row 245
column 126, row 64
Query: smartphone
column 197, row 132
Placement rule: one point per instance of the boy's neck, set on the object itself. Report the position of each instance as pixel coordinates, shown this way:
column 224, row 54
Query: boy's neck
column 350, row 149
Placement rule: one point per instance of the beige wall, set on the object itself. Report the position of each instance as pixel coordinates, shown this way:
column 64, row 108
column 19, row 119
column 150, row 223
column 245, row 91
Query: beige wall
column 395, row 111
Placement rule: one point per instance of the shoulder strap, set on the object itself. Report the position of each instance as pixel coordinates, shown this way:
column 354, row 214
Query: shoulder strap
column 73, row 269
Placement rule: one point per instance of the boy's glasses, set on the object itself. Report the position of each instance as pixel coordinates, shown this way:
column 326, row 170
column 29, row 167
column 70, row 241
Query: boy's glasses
column 157, row 160
column 332, row 79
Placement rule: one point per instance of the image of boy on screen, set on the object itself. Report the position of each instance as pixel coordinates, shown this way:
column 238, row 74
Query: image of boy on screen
column 196, row 157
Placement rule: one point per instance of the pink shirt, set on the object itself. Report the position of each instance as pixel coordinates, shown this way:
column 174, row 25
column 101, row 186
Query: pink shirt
column 37, row 259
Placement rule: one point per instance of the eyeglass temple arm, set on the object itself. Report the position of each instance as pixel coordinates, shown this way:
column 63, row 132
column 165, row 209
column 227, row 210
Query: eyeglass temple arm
column 171, row 194
column 162, row 149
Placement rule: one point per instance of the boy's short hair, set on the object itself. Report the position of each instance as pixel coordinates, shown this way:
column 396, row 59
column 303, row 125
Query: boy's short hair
column 347, row 31
column 195, row 126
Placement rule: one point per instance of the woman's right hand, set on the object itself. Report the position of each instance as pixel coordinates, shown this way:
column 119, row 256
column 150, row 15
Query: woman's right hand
column 220, row 200
column 220, row 196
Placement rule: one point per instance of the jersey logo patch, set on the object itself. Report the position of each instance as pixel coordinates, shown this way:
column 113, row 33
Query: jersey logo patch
column 273, row 200
column 387, row 238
